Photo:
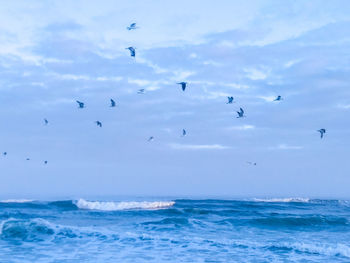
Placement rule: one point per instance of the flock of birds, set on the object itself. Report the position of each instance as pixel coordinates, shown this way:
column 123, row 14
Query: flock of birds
column 132, row 50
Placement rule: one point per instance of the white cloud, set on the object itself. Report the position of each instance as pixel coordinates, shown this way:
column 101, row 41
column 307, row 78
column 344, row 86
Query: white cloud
column 197, row 146
column 242, row 127
column 267, row 98
column 285, row 147
column 343, row 106
column 255, row 74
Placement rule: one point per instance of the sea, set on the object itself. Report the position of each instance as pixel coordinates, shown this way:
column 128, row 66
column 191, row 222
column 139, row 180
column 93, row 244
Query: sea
column 175, row 230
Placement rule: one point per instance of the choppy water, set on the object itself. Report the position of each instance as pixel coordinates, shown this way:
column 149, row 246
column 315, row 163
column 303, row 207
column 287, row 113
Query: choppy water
column 276, row 230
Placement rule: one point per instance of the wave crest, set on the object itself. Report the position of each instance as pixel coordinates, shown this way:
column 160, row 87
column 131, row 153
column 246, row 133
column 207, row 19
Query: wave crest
column 26, row 230
column 116, row 206
column 283, row 200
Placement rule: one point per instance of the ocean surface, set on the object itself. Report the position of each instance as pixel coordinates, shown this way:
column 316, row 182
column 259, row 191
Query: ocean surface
column 255, row 230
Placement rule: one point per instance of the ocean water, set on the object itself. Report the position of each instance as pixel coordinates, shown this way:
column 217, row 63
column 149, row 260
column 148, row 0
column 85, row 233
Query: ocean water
column 256, row 230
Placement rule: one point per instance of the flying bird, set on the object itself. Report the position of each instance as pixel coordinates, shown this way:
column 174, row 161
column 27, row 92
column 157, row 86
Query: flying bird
column 131, row 27
column 81, row 104
column 98, row 123
column 141, row 91
column 251, row 163
column 46, row 121
column 45, row 162
column 151, row 138
column 322, row 132
column 230, row 100
column 183, row 85
column 112, row 103
column 240, row 113
column 279, row 98
column 132, row 51
column 4, row 153
column 28, row 159
column 184, row 132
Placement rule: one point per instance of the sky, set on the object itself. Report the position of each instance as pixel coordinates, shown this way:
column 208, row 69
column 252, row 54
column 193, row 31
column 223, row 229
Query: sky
column 53, row 53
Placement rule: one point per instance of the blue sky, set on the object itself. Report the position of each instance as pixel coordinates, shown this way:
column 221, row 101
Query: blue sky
column 55, row 52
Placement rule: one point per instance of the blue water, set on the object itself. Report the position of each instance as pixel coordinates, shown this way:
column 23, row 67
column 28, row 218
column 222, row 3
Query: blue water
column 286, row 230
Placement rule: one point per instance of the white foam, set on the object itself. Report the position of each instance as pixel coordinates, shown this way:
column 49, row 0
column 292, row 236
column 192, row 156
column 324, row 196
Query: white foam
column 323, row 249
column 16, row 201
column 115, row 206
column 283, row 200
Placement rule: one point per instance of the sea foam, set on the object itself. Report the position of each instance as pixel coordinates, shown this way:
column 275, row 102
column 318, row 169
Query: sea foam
column 16, row 201
column 115, row 206
column 283, row 200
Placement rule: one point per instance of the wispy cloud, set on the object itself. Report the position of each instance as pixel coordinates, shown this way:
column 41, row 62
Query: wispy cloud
column 197, row 146
column 285, row 147
column 343, row 106
column 242, row 127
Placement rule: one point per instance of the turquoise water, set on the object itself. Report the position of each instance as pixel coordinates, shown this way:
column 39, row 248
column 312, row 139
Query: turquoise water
column 276, row 230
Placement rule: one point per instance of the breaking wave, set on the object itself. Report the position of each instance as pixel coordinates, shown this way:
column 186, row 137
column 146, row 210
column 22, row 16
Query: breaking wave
column 115, row 206
column 283, row 200
column 17, row 201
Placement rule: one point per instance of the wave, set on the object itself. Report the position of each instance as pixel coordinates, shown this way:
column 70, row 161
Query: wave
column 305, row 221
column 17, row 201
column 321, row 249
column 116, row 206
column 26, row 230
column 284, row 200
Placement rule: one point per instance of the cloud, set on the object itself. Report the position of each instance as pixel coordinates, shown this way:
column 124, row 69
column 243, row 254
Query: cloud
column 197, row 146
column 343, row 106
column 242, row 127
column 255, row 74
column 286, row 147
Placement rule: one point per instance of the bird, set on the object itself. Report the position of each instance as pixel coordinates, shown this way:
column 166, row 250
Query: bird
column 98, row 123
column 45, row 162
column 131, row 27
column 184, row 132
column 46, row 121
column 183, row 85
column 240, row 113
column 151, row 138
column 322, row 132
column 251, row 163
column 112, row 103
column 132, row 51
column 141, row 91
column 28, row 159
column 279, row 98
column 81, row 104
column 230, row 100
column 4, row 153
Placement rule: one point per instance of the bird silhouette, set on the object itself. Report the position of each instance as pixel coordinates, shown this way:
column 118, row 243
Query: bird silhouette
column 98, row 123
column 45, row 162
column 322, row 132
column 46, row 121
column 230, row 100
column 112, row 103
column 28, row 159
column 184, row 133
column 141, row 91
column 81, row 104
column 251, row 163
column 4, row 153
column 279, row 98
column 150, row 138
column 183, row 85
column 132, row 51
column 240, row 113
column 131, row 27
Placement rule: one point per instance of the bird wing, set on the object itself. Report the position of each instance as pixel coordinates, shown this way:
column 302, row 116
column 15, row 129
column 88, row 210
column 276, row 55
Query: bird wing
column 242, row 111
